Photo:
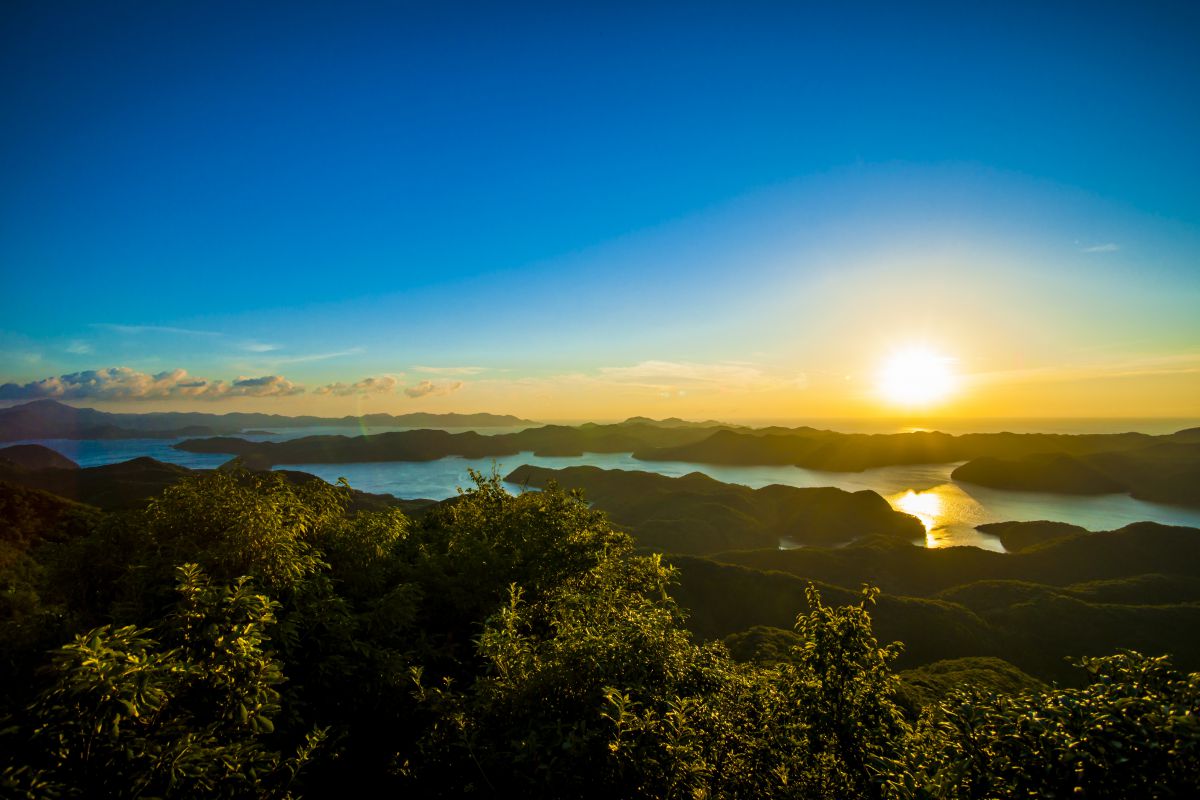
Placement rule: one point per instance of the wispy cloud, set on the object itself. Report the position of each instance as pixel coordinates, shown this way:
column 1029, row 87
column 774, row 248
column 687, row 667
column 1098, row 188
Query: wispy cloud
column 448, row 370
column 269, row 352
column 367, row 386
column 353, row 351
column 426, row 388
column 1106, row 247
column 1142, row 366
column 79, row 347
column 668, row 375
column 657, row 378
column 123, row 383
column 135, row 330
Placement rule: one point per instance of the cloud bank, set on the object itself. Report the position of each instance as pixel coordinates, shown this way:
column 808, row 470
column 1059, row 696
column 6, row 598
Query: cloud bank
column 426, row 388
column 123, row 383
column 367, row 386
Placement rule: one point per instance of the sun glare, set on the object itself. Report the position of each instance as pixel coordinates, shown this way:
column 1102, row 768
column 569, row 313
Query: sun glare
column 916, row 377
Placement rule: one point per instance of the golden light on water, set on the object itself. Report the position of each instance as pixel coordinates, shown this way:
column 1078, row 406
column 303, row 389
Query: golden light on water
column 916, row 376
column 948, row 514
column 925, row 506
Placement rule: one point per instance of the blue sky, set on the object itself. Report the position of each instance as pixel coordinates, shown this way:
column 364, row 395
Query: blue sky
column 532, row 198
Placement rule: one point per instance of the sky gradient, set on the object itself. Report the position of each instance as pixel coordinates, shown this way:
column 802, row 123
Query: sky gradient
column 689, row 210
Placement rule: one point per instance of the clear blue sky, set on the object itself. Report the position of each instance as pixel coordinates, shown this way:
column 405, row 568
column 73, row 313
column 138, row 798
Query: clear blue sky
column 401, row 183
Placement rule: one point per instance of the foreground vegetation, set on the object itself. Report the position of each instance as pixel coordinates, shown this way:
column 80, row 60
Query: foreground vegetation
column 247, row 636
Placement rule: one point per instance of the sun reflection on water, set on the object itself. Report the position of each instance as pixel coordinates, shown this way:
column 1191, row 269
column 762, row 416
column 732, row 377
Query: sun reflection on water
column 925, row 506
column 949, row 515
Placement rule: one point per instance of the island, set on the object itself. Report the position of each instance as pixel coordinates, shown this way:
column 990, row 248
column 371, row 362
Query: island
column 699, row 515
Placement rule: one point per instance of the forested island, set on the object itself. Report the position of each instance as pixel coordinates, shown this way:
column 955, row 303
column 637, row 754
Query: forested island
column 177, row 632
column 1167, row 471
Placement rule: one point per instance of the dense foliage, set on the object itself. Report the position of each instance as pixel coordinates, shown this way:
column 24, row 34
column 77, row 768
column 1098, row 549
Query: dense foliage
column 247, row 636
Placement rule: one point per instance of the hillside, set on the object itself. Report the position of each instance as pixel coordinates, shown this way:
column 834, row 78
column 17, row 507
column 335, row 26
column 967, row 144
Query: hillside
column 852, row 452
column 1165, row 472
column 1138, row 587
column 131, row 484
column 429, row 445
column 34, row 456
column 1140, row 548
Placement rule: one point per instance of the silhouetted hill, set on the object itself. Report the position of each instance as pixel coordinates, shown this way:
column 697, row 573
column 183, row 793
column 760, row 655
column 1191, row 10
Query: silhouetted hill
column 1167, row 472
column 30, row 516
column 130, row 484
column 676, row 422
column 1140, row 548
column 724, row 599
column 1137, row 587
column 1020, row 535
column 429, row 445
column 50, row 419
column 697, row 514
column 935, row 681
column 423, row 445
column 113, row 486
column 814, row 449
column 1044, row 472
column 35, row 456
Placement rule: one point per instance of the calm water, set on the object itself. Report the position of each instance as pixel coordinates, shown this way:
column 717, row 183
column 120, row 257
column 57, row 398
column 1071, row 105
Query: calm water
column 949, row 510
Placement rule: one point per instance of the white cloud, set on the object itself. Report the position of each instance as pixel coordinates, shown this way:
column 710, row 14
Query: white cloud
column 367, row 386
column 1106, row 247
column 1168, row 364
column 123, row 383
column 79, row 347
column 259, row 347
column 425, row 388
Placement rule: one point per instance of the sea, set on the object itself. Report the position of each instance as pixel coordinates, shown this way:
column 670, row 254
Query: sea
column 950, row 510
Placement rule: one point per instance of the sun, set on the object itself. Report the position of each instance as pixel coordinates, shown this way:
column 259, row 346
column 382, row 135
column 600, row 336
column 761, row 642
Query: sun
column 916, row 376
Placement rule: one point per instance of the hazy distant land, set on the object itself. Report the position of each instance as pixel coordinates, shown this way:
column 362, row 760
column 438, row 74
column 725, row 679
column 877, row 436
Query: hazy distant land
column 50, row 419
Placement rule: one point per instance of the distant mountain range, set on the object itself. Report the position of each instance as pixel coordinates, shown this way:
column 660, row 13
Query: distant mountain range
column 50, row 419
